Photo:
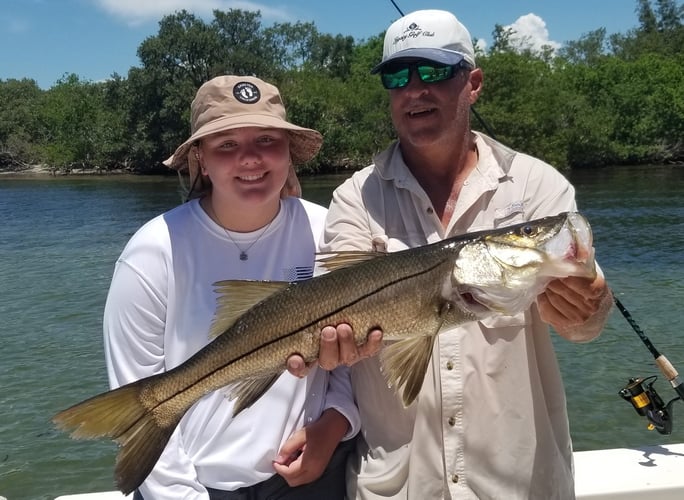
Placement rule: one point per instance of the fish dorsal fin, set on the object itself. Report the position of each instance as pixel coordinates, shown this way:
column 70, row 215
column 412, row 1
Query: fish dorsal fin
column 405, row 363
column 330, row 261
column 235, row 297
column 246, row 392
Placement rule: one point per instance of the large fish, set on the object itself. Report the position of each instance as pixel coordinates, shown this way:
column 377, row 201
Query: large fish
column 409, row 294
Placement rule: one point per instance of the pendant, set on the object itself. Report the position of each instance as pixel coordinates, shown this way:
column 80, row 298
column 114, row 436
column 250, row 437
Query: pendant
column 243, row 255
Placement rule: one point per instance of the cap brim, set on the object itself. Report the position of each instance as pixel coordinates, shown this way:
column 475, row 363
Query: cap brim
column 441, row 56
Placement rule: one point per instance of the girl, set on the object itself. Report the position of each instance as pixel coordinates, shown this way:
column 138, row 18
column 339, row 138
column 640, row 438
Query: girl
column 244, row 220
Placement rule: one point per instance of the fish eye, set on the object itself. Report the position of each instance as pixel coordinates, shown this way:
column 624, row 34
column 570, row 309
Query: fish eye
column 527, row 230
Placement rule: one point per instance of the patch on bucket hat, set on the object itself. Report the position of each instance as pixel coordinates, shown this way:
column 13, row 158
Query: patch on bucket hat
column 246, row 92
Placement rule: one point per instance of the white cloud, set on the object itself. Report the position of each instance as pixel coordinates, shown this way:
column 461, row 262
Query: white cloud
column 529, row 32
column 140, row 11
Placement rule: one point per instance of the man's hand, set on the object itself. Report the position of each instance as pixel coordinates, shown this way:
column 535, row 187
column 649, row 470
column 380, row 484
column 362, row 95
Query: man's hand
column 337, row 348
column 577, row 308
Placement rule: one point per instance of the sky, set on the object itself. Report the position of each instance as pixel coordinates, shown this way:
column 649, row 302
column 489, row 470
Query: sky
column 45, row 40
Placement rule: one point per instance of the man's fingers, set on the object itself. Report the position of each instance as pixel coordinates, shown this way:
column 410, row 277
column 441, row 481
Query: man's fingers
column 329, row 354
column 349, row 353
column 296, row 366
column 373, row 344
column 549, row 310
column 337, row 347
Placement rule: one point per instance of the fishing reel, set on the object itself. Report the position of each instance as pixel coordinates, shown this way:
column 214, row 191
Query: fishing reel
column 647, row 403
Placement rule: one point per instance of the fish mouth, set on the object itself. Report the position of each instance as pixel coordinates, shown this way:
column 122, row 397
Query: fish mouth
column 581, row 250
column 573, row 248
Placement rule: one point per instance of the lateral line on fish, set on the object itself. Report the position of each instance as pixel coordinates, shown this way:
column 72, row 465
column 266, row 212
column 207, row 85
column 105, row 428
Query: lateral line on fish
column 295, row 332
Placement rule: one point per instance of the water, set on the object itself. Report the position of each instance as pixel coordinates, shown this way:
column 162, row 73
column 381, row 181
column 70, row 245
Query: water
column 59, row 239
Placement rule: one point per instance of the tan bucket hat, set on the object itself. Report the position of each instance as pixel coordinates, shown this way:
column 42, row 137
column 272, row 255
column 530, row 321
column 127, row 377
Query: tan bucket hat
column 230, row 101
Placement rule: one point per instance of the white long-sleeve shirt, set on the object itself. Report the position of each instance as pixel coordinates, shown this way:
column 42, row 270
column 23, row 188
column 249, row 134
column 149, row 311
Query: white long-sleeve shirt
column 490, row 421
column 158, row 313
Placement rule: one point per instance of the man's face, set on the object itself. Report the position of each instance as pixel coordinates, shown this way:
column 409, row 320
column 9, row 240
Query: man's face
column 428, row 113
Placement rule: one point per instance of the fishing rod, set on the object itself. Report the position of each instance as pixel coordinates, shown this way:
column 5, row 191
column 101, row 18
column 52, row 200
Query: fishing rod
column 640, row 392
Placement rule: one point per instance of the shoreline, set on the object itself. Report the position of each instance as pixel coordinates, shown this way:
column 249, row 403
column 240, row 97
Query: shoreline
column 44, row 172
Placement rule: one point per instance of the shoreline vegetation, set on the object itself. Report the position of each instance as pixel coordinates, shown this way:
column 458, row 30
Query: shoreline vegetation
column 42, row 172
column 603, row 100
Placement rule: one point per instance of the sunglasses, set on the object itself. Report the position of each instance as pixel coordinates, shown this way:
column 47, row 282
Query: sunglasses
column 398, row 75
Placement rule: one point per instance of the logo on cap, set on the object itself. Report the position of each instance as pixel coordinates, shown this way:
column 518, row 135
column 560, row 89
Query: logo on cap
column 413, row 31
column 246, row 92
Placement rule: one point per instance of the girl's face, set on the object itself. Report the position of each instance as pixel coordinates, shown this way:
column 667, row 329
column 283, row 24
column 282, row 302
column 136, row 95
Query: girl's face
column 247, row 166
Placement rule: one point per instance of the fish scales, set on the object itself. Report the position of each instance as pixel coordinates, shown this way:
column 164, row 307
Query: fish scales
column 403, row 295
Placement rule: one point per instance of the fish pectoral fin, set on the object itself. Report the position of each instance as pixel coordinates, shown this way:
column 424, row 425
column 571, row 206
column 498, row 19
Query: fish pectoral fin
column 330, row 261
column 235, row 297
column 405, row 363
column 246, row 392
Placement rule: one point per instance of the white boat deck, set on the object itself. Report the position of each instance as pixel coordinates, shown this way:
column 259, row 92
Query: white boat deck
column 647, row 473
column 651, row 472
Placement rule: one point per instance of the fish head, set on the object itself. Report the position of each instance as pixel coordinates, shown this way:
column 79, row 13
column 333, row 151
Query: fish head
column 503, row 271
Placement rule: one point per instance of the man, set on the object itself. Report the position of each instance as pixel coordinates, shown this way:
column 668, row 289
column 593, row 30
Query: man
column 491, row 420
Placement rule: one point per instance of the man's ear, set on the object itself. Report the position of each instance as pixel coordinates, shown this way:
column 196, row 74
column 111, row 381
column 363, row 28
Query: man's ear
column 476, row 81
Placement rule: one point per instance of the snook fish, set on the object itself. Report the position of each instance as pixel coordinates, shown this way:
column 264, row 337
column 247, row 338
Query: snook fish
column 409, row 294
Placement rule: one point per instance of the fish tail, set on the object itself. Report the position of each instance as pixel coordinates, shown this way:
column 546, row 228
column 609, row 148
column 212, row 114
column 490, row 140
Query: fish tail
column 121, row 416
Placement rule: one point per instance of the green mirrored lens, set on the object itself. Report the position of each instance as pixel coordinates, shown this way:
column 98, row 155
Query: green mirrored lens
column 396, row 79
column 431, row 74
column 398, row 76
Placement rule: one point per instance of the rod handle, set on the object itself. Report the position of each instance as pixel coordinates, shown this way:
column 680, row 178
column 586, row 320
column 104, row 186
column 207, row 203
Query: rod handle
column 666, row 368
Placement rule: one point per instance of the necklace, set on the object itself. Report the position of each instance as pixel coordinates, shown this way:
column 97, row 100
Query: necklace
column 243, row 251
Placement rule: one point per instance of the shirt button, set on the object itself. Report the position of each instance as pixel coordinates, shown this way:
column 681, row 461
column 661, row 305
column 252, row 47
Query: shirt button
column 449, row 365
column 454, row 478
column 465, row 183
column 430, row 210
column 452, row 421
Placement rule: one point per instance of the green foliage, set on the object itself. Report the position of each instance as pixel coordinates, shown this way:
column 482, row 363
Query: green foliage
column 603, row 99
column 73, row 114
column 20, row 128
column 660, row 32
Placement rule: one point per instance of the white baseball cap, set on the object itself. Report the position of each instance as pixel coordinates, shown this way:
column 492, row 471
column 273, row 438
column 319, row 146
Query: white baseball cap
column 435, row 35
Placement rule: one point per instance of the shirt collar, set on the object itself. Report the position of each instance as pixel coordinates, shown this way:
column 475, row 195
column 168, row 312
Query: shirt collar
column 494, row 162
